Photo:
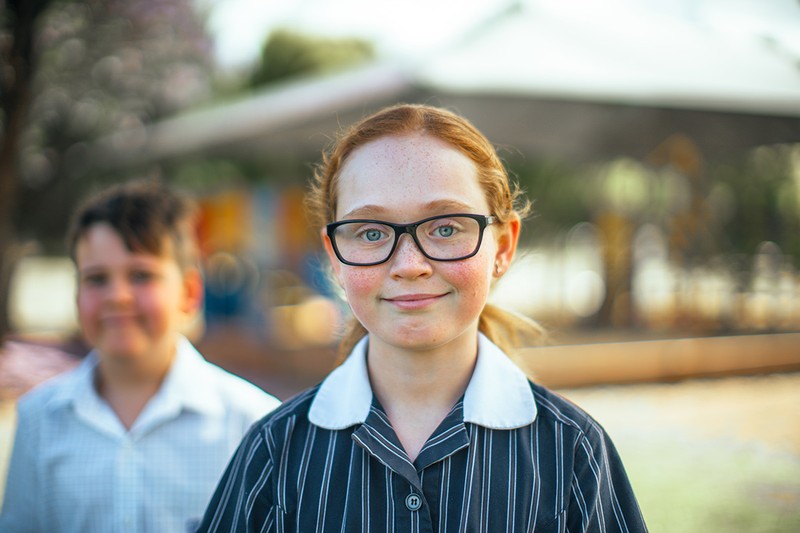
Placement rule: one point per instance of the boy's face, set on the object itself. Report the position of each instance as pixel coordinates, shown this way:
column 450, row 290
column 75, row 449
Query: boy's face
column 130, row 304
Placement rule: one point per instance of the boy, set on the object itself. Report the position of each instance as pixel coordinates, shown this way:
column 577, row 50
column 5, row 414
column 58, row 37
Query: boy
column 138, row 435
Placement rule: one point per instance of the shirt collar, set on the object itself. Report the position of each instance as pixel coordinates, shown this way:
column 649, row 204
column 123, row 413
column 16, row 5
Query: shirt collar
column 187, row 384
column 345, row 396
column 77, row 385
column 498, row 395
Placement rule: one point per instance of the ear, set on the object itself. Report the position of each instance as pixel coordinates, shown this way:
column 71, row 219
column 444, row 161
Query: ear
column 328, row 245
column 192, row 291
column 507, row 237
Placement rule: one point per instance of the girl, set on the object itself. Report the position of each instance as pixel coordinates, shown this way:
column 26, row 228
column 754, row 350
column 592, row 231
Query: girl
column 427, row 425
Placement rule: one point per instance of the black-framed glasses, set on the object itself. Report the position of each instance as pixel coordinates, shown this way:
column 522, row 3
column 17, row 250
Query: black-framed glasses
column 366, row 242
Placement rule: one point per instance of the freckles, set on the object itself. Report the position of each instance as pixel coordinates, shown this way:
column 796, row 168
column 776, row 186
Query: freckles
column 359, row 279
column 473, row 278
column 471, row 272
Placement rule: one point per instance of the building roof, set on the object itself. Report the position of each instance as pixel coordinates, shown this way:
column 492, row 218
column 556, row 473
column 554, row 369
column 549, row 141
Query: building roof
column 535, row 79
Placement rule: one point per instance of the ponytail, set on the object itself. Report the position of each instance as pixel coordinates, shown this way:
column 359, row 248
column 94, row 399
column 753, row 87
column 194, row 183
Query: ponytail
column 353, row 333
column 510, row 331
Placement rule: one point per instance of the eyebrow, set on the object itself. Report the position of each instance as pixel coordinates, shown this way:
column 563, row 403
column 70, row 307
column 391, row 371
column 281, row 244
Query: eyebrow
column 437, row 207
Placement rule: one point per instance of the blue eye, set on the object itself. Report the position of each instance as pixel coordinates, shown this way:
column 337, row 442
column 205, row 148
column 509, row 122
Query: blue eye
column 445, row 228
column 370, row 234
column 445, row 231
column 373, row 235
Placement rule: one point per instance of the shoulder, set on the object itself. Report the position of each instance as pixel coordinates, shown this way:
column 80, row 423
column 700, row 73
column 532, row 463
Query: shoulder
column 553, row 408
column 251, row 485
column 296, row 407
column 51, row 392
column 564, row 424
column 45, row 406
column 269, row 437
column 279, row 424
column 238, row 393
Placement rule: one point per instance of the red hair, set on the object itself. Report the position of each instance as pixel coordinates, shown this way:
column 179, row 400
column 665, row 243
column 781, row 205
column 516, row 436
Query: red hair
column 503, row 196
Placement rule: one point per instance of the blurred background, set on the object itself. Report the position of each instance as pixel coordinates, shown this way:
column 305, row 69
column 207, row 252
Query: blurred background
column 660, row 142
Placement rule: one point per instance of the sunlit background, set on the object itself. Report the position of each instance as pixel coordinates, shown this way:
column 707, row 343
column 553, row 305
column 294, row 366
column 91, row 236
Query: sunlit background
column 659, row 140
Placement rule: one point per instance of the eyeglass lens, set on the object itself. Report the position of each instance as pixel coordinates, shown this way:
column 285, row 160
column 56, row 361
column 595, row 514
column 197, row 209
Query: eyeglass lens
column 446, row 239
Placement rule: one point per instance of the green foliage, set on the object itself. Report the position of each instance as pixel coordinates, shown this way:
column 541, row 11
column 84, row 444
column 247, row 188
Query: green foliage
column 735, row 207
column 764, row 198
column 288, row 54
column 558, row 192
column 104, row 67
column 214, row 173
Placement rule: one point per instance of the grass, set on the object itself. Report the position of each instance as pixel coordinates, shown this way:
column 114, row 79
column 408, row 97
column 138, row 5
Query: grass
column 708, row 456
column 686, row 487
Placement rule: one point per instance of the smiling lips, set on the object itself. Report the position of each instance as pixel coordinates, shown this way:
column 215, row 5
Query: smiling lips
column 414, row 301
column 120, row 319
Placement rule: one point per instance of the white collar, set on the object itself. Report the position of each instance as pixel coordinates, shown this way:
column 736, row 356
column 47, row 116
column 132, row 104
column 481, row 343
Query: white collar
column 187, row 383
column 498, row 395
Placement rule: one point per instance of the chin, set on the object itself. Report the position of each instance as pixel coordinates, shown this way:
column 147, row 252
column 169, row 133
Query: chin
column 123, row 354
column 123, row 350
column 418, row 341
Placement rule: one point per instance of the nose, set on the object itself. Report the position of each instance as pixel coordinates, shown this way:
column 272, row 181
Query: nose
column 408, row 260
column 119, row 290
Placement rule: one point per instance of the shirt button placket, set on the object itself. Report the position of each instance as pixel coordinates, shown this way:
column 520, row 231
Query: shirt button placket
column 127, row 489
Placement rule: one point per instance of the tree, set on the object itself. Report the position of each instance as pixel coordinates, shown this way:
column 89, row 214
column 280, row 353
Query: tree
column 17, row 66
column 287, row 54
column 72, row 72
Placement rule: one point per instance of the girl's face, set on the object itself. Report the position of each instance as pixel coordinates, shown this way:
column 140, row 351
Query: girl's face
column 412, row 302
column 131, row 305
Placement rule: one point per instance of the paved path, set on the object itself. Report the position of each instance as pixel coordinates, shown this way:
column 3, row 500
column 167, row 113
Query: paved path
column 756, row 411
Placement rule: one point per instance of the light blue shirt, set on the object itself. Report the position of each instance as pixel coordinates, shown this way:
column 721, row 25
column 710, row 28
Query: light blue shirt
column 75, row 468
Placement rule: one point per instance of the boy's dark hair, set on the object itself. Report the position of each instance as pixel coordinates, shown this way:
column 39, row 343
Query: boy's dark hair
column 142, row 213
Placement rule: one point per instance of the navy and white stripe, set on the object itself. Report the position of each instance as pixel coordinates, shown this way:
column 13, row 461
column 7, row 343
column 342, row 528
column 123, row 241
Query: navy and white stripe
column 558, row 472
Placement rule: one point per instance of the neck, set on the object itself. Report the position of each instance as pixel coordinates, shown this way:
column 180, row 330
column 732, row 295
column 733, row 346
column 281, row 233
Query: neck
column 128, row 386
column 419, row 388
